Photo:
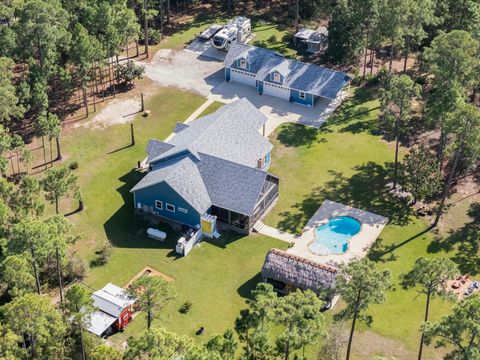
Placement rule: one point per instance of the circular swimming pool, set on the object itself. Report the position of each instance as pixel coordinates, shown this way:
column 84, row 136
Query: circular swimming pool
column 334, row 236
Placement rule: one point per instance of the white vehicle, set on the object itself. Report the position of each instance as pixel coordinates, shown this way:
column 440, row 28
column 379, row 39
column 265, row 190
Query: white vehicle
column 237, row 30
column 212, row 30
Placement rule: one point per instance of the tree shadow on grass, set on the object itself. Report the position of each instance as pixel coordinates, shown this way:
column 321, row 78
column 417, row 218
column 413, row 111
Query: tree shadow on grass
column 353, row 116
column 294, row 135
column 127, row 230
column 365, row 190
column 245, row 290
column 464, row 243
column 227, row 237
column 384, row 253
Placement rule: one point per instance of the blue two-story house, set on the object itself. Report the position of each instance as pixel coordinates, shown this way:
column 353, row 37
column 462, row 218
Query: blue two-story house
column 272, row 74
column 216, row 165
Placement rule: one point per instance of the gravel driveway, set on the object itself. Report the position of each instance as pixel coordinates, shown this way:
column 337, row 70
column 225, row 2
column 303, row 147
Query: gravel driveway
column 184, row 70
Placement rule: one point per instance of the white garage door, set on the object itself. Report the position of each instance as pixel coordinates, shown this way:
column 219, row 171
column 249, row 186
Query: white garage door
column 243, row 77
column 276, row 90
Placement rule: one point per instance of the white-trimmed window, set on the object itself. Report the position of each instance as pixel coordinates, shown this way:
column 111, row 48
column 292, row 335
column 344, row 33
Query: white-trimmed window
column 243, row 64
column 170, row 207
column 183, row 210
column 301, row 95
column 158, row 205
column 276, row 77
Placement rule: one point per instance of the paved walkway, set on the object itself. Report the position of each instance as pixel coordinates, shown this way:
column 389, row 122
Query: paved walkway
column 197, row 112
column 263, row 229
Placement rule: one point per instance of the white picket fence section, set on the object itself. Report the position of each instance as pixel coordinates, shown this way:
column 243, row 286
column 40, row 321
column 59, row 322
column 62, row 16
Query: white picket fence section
column 184, row 247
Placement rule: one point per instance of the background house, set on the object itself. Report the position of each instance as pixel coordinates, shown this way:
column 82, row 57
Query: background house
column 215, row 165
column 313, row 41
column 272, row 74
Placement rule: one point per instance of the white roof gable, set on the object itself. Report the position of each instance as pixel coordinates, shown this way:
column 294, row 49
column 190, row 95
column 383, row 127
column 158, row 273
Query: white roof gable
column 99, row 322
column 112, row 300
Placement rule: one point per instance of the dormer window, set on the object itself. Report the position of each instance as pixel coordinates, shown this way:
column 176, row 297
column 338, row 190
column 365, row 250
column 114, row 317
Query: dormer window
column 243, row 64
column 276, row 77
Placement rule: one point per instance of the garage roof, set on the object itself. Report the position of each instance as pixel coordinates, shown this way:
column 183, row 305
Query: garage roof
column 301, row 76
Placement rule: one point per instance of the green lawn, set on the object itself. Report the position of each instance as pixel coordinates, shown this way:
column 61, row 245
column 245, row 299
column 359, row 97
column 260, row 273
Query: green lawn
column 274, row 37
column 216, row 277
column 211, row 108
column 346, row 161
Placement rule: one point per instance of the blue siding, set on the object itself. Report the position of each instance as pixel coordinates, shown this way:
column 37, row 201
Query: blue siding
column 267, row 161
column 295, row 97
column 227, row 74
column 166, row 194
column 276, row 82
column 260, row 87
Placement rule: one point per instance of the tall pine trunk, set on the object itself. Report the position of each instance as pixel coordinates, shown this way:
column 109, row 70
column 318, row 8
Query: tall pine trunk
column 420, row 350
column 59, row 273
column 59, row 152
column 35, row 270
column 407, row 50
column 85, row 101
column 145, row 27
column 56, row 204
column 168, row 11
column 365, row 54
column 390, row 63
column 51, row 151
column 447, row 187
column 297, row 15
column 352, row 329
column 441, row 150
column 44, row 152
column 82, row 342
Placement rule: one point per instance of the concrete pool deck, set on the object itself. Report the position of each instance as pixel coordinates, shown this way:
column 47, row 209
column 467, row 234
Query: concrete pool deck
column 372, row 226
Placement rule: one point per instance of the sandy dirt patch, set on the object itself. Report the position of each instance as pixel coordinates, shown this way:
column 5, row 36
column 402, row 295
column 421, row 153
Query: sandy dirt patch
column 118, row 111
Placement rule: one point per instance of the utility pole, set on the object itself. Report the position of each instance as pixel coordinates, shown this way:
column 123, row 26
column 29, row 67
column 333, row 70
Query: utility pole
column 145, row 27
column 132, row 134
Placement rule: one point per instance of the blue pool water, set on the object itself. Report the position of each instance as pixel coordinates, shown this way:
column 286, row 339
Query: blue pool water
column 334, row 236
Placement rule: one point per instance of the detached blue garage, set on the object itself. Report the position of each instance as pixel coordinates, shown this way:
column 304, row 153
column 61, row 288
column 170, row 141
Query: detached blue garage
column 272, row 74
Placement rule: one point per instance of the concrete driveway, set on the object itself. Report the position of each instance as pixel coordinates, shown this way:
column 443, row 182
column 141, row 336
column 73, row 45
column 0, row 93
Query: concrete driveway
column 184, row 70
column 205, row 50
column 278, row 111
column 191, row 69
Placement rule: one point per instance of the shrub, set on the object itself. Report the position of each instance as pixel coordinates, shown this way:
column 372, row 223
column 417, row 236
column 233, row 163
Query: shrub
column 185, row 308
column 73, row 165
column 272, row 39
column 102, row 255
column 126, row 74
column 76, row 268
column 154, row 36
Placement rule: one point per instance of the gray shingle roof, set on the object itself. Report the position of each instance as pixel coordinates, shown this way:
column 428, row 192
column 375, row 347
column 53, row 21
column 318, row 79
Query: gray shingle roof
column 155, row 148
column 183, row 177
column 230, row 185
column 231, row 133
column 254, row 55
column 298, row 75
column 300, row 272
column 213, row 160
